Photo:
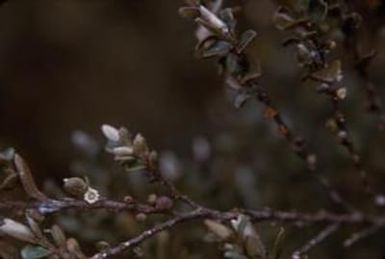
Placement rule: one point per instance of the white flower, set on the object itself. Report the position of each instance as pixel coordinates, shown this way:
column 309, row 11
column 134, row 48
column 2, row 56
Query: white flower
column 341, row 93
column 91, row 196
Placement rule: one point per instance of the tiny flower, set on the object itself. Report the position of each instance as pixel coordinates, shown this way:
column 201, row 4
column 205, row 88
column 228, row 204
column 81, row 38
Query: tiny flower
column 111, row 133
column 91, row 196
column 341, row 93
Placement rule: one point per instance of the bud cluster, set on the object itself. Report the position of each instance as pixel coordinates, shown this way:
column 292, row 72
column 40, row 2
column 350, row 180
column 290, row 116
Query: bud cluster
column 131, row 151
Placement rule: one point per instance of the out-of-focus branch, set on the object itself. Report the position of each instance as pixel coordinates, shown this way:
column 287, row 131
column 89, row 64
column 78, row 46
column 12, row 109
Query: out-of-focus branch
column 320, row 237
column 49, row 206
column 351, row 22
column 322, row 216
column 313, row 46
column 218, row 39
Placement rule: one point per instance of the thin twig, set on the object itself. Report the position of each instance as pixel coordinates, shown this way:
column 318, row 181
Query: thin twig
column 320, row 237
column 149, row 233
column 317, row 48
column 299, row 147
column 350, row 23
column 356, row 237
column 52, row 206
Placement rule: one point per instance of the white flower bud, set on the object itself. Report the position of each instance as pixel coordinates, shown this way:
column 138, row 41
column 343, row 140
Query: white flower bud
column 212, row 19
column 123, row 151
column 16, row 230
column 111, row 133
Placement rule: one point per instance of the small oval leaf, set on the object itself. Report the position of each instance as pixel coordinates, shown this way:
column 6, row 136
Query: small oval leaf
column 34, row 252
column 246, row 38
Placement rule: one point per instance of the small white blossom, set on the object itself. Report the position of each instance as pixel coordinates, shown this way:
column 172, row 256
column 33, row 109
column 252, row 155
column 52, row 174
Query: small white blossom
column 91, row 196
column 341, row 93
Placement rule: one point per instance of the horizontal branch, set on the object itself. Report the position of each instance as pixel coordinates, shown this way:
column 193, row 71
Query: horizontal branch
column 261, row 215
column 52, row 206
column 322, row 216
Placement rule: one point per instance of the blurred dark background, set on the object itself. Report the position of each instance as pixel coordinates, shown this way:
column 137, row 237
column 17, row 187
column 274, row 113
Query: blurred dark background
column 75, row 64
column 68, row 65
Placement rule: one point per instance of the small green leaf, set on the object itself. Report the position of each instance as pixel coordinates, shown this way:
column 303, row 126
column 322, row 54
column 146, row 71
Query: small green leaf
column 137, row 166
column 233, row 64
column 227, row 17
column 58, row 236
column 246, row 38
column 282, row 19
column 189, row 12
column 254, row 247
column 278, row 245
column 234, row 255
column 34, row 252
column 7, row 154
column 217, row 49
column 332, row 73
column 318, row 10
column 220, row 230
column 241, row 98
